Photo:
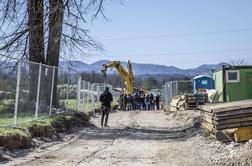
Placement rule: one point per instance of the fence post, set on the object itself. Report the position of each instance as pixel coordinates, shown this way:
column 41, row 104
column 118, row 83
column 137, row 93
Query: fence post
column 166, row 90
column 169, row 92
column 88, row 92
column 83, row 93
column 38, row 91
column 52, row 89
column 17, row 93
column 92, row 95
column 68, row 84
column 78, row 92
column 177, row 88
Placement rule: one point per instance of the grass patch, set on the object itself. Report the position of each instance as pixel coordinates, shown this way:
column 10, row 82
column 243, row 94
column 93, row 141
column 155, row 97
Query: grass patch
column 6, row 105
column 6, row 119
column 47, row 127
column 14, row 138
column 13, row 131
column 86, row 106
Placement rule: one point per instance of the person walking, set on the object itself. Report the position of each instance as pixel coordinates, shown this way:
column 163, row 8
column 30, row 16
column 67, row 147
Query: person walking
column 135, row 101
column 157, row 100
column 130, row 103
column 143, row 102
column 125, row 102
column 121, row 101
column 106, row 99
column 147, row 101
column 152, row 103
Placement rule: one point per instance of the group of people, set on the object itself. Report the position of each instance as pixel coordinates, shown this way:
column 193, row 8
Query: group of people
column 139, row 101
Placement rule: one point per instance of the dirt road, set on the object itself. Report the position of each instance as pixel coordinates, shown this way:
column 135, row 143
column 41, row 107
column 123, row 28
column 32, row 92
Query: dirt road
column 134, row 138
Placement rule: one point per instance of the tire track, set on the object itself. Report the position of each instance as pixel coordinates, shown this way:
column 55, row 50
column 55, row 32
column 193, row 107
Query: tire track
column 95, row 152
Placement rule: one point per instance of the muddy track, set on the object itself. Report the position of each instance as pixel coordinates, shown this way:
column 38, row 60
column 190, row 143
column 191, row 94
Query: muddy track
column 140, row 138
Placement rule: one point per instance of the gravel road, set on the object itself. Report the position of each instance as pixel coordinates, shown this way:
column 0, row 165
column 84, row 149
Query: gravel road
column 139, row 138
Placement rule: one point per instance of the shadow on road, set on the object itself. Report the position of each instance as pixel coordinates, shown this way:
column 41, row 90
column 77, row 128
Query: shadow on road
column 143, row 133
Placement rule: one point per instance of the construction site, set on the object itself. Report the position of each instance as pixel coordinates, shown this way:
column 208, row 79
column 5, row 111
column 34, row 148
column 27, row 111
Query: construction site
column 57, row 108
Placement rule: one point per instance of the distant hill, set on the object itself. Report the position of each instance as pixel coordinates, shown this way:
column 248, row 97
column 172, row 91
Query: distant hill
column 144, row 69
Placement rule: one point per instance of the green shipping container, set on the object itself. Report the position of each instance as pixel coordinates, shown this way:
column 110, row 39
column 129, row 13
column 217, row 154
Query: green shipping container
column 233, row 83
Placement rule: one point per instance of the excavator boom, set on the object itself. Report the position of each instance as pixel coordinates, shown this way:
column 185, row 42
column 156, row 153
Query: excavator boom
column 126, row 76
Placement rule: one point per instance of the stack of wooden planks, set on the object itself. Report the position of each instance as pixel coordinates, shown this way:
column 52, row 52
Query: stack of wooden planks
column 187, row 101
column 178, row 103
column 225, row 116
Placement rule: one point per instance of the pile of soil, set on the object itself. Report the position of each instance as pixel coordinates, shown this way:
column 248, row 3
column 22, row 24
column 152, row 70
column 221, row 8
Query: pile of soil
column 182, row 119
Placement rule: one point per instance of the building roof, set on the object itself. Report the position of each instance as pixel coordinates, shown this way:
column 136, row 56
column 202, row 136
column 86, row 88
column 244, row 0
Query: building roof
column 201, row 76
column 234, row 67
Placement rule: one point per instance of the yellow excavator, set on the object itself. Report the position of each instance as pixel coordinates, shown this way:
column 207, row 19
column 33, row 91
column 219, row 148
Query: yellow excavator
column 128, row 77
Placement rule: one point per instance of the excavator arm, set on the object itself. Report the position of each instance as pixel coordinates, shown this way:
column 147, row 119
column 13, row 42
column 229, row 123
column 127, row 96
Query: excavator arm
column 126, row 76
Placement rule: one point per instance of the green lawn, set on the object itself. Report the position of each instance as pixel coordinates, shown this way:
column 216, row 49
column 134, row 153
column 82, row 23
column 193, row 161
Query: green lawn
column 12, row 131
column 7, row 115
column 7, row 119
column 5, row 105
column 86, row 106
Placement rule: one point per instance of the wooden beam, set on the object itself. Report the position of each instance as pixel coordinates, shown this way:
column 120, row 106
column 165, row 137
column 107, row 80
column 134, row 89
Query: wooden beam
column 233, row 125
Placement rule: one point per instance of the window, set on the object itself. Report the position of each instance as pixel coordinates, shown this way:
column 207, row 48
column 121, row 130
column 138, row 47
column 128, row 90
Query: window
column 232, row 76
column 204, row 82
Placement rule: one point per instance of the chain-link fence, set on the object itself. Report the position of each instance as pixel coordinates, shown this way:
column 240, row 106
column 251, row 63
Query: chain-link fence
column 33, row 92
column 27, row 91
column 174, row 88
column 8, row 82
column 88, row 94
column 67, row 89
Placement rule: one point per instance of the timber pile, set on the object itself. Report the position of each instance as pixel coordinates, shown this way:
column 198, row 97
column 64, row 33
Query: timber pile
column 187, row 101
column 178, row 103
column 224, row 117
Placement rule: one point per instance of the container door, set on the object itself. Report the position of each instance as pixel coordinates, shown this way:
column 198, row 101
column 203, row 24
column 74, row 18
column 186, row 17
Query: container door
column 249, row 86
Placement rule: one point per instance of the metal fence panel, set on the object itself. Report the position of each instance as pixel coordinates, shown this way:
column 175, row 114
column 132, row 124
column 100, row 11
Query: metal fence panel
column 174, row 88
column 8, row 82
column 26, row 91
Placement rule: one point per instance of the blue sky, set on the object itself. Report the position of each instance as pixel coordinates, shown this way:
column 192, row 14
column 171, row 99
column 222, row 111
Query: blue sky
column 129, row 32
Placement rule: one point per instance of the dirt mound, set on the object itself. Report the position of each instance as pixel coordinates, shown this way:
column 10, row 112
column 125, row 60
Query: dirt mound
column 183, row 119
column 15, row 141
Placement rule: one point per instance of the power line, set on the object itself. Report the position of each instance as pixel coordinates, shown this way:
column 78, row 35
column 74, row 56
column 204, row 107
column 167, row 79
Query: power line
column 193, row 53
column 178, row 35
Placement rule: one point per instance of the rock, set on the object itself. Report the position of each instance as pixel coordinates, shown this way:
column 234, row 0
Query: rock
column 36, row 142
column 46, row 139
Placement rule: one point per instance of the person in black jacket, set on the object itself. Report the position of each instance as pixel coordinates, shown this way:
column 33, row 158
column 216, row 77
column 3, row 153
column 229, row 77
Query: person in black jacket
column 157, row 100
column 121, row 101
column 106, row 98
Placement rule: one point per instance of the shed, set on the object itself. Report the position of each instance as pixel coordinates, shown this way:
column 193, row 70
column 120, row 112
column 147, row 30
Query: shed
column 233, row 83
column 202, row 83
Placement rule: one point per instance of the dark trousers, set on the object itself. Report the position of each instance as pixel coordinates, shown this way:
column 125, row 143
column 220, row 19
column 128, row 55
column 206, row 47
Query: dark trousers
column 105, row 114
column 149, row 106
column 157, row 104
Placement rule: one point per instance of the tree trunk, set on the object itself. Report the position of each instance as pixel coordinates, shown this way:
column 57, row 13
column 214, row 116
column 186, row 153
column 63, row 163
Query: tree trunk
column 36, row 42
column 56, row 14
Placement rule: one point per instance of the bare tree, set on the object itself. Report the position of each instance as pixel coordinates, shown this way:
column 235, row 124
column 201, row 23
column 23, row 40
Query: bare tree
column 21, row 19
column 29, row 27
column 13, row 28
column 238, row 62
